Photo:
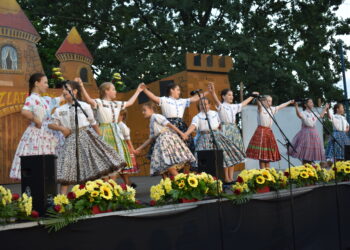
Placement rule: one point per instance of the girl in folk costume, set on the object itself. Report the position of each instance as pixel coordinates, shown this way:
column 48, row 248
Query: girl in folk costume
column 96, row 157
column 232, row 154
column 307, row 143
column 125, row 135
column 340, row 128
column 173, row 108
column 37, row 139
column 107, row 112
column 170, row 153
column 262, row 145
column 227, row 114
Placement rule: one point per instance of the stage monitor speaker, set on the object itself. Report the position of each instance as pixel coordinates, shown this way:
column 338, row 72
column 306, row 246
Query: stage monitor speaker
column 38, row 173
column 206, row 162
column 347, row 152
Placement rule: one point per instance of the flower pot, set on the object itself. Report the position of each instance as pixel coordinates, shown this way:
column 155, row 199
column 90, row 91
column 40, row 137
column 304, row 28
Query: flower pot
column 263, row 190
column 96, row 210
column 183, row 200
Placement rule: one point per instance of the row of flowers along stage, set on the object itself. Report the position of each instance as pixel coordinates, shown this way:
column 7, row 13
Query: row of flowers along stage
column 191, row 211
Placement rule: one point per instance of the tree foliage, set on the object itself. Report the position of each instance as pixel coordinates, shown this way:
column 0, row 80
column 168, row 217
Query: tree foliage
column 284, row 48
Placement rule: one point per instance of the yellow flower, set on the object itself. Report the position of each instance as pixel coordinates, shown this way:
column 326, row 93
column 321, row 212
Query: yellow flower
column 304, row 174
column 90, row 186
column 192, row 181
column 56, row 69
column 94, row 193
column 347, row 169
column 92, row 199
column 106, row 192
column 260, row 180
column 167, row 185
column 181, row 185
column 60, row 199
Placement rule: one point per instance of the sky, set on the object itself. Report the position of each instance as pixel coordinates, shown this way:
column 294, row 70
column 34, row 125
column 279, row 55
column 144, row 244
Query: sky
column 344, row 12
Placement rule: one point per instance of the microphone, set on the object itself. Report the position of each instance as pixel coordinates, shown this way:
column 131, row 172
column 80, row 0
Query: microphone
column 256, row 96
column 61, row 84
column 196, row 91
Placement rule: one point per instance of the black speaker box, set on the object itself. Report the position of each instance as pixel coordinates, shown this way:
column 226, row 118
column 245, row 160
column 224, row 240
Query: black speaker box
column 347, row 152
column 38, row 173
column 207, row 160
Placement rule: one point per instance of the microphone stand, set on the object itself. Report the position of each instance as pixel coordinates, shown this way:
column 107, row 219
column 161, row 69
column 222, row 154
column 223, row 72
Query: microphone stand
column 335, row 174
column 216, row 148
column 76, row 105
column 288, row 145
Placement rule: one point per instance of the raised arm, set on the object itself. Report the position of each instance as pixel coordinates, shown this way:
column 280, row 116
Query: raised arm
column 297, row 110
column 152, row 96
column 195, row 98
column 211, row 89
column 283, row 105
column 249, row 99
column 85, row 94
column 324, row 111
column 132, row 100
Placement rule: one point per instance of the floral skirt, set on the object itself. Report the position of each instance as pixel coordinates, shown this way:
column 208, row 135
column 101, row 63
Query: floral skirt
column 35, row 141
column 231, row 131
column 96, row 158
column 333, row 147
column 110, row 134
column 263, row 146
column 169, row 151
column 307, row 145
column 181, row 125
column 231, row 153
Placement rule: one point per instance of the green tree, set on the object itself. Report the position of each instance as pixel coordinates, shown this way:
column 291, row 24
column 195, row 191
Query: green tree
column 283, row 48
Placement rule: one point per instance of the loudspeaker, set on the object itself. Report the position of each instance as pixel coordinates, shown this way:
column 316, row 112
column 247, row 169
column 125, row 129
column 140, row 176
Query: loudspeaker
column 206, row 162
column 38, row 173
column 347, row 152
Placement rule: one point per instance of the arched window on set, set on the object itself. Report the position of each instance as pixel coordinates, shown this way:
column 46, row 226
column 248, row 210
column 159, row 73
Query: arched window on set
column 84, row 74
column 9, row 58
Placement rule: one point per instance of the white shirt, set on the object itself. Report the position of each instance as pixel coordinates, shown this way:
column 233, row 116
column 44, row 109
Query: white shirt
column 339, row 122
column 264, row 118
column 125, row 131
column 65, row 116
column 157, row 125
column 201, row 124
column 108, row 111
column 308, row 119
column 228, row 112
column 173, row 108
column 41, row 106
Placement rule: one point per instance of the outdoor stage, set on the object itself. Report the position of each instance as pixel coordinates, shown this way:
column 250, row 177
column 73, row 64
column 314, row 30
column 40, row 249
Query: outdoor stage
column 262, row 223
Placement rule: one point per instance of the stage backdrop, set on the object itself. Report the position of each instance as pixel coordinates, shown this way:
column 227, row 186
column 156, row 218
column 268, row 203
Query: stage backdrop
column 289, row 123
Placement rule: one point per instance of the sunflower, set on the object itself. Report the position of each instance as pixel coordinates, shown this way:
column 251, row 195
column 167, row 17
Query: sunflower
column 192, row 181
column 181, row 185
column 304, row 174
column 106, row 192
column 94, row 193
column 347, row 169
column 260, row 180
